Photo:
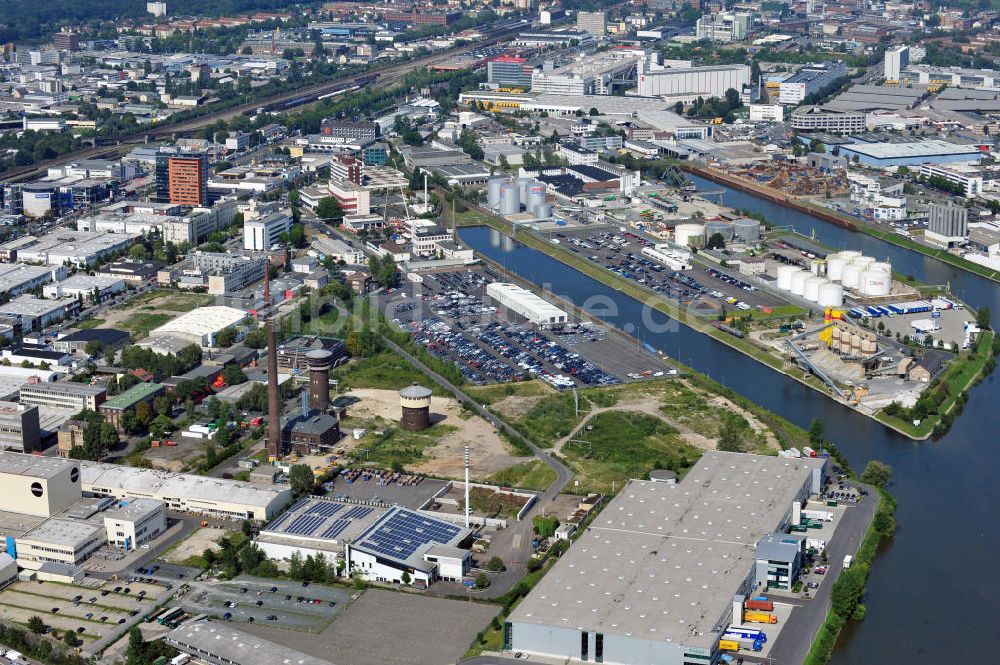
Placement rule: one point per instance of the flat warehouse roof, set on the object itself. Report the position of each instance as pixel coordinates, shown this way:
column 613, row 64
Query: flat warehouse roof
column 30, row 465
column 320, row 519
column 67, row 533
column 662, row 561
column 403, row 536
column 220, row 642
column 915, row 149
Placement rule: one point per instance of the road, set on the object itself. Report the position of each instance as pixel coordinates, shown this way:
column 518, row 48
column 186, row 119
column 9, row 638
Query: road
column 387, row 75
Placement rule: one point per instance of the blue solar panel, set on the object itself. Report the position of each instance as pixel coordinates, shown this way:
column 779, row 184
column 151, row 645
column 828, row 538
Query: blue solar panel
column 285, row 515
column 325, row 509
column 336, row 528
column 358, row 513
column 401, row 534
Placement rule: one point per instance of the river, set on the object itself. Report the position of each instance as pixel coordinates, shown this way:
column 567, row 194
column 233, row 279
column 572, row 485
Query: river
column 933, row 595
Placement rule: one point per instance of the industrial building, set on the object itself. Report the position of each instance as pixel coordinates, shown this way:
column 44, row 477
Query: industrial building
column 693, row 82
column 201, row 495
column 915, row 153
column 201, row 326
column 594, row 23
column 77, row 342
column 92, row 288
column 316, row 526
column 135, row 522
column 725, row 27
column 19, row 427
column 221, row 644
column 821, row 119
column 947, row 225
column 810, row 81
column 38, row 486
column 404, row 541
column 521, row 301
column 62, row 246
column 18, row 278
column 653, row 577
column 114, row 408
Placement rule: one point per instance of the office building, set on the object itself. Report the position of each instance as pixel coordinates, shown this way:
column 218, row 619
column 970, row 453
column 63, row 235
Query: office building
column 263, row 233
column 66, row 40
column 63, row 395
column 202, row 495
column 182, row 177
column 653, row 578
column 348, row 130
column 896, row 61
column 819, row 119
column 135, row 522
column 725, row 27
column 38, row 486
column 968, row 177
column 353, row 198
column 594, row 23
column 19, row 428
column 947, row 225
column 811, row 81
column 508, row 71
column 767, row 113
column 59, row 541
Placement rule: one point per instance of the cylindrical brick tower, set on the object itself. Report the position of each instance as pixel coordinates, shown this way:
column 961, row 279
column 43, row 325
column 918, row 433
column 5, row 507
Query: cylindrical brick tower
column 416, row 403
column 319, row 361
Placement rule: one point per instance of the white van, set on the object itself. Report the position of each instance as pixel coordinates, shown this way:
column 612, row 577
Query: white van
column 847, row 561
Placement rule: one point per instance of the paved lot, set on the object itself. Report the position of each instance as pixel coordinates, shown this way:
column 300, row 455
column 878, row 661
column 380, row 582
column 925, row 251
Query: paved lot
column 411, row 497
column 951, row 322
column 389, row 628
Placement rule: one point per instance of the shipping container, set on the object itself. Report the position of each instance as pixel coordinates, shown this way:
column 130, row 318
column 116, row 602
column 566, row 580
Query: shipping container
column 729, row 645
column 760, row 605
column 759, row 617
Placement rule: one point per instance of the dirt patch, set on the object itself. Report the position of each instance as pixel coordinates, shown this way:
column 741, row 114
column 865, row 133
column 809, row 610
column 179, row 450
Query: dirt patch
column 755, row 425
column 489, row 452
column 196, row 543
column 516, row 406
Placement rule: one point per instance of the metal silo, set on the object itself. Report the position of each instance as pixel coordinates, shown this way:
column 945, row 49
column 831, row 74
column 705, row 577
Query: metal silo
column 536, row 196
column 493, row 193
column 542, row 211
column 747, row 230
column 522, row 185
column 510, row 203
column 724, row 228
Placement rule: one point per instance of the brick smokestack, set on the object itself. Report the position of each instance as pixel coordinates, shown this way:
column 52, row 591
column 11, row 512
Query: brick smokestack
column 267, row 282
column 273, row 397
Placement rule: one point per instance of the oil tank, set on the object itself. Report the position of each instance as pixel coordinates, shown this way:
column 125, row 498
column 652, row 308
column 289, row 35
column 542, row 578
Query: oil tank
column 831, row 295
column 686, row 234
column 493, row 192
column 522, row 185
column 863, row 261
column 817, row 266
column 725, row 228
column 510, row 204
column 875, row 283
column 852, row 276
column 799, row 281
column 785, row 277
column 835, row 267
column 747, row 230
column 536, row 196
column 884, row 266
column 850, row 255
column 810, row 290
column 542, row 211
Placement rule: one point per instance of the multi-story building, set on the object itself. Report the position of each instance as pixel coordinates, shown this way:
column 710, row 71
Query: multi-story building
column 576, row 155
column 60, row 541
column 877, row 197
column 420, row 16
column 114, row 408
column 725, row 27
column 818, row 119
column 767, row 113
column 19, row 428
column 135, row 523
column 182, row 177
column 229, row 272
column 969, row 179
column 66, row 40
column 594, row 23
column 693, row 82
column 810, row 81
column 508, row 71
column 345, row 129
column 70, row 435
column 896, row 61
column 947, row 225
column 353, row 199
column 345, row 167
column 63, row 395
column 261, row 234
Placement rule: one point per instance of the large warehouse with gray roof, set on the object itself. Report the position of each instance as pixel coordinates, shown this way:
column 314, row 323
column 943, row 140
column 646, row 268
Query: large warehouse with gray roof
column 653, row 578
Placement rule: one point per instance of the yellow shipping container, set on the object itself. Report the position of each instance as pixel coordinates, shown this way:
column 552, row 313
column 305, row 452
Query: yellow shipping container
column 759, row 617
column 729, row 645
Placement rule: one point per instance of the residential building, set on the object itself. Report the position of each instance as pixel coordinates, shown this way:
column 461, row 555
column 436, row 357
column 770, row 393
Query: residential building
column 811, row 81
column 947, row 225
column 263, row 233
column 896, row 61
column 19, row 428
column 594, row 23
column 182, row 177
column 70, row 435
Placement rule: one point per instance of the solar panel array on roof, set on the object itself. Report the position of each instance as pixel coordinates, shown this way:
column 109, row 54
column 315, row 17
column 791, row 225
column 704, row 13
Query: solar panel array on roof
column 400, row 535
column 285, row 515
column 317, row 518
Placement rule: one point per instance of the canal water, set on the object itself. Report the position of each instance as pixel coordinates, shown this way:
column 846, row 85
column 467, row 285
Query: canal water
column 934, row 595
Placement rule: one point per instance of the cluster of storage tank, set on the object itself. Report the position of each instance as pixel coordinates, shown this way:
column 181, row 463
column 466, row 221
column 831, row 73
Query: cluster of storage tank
column 810, row 286
column 744, row 230
column 860, row 273
column 507, row 197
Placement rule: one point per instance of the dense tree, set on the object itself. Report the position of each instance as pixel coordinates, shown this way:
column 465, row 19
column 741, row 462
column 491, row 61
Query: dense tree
column 817, row 432
column 983, row 317
column 328, row 209
column 36, row 625
column 716, row 241
column 301, row 480
column 877, row 473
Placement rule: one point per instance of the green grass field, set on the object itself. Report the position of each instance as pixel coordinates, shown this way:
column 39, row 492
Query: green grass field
column 87, row 324
column 621, row 445
column 384, row 370
column 396, row 448
column 532, row 475
column 553, row 417
column 493, row 394
column 140, row 323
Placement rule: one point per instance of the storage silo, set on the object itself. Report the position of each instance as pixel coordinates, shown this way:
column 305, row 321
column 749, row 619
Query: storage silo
column 685, row 234
column 817, row 266
column 723, row 228
column 831, row 295
column 850, row 254
column 536, row 196
column 747, row 230
column 493, row 192
column 785, row 277
column 835, row 267
column 863, row 261
column 852, row 276
column 542, row 211
column 510, row 204
column 884, row 266
column 810, row 290
column 522, row 185
column 875, row 283
column 799, row 281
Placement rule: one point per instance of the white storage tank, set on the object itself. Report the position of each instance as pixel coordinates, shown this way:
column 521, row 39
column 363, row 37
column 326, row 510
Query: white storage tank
column 522, row 188
column 510, row 203
column 542, row 211
column 816, row 266
column 851, row 276
column 785, row 277
column 747, row 230
column 884, row 266
column 875, row 283
column 863, row 261
column 849, row 255
column 835, row 267
column 831, row 295
column 536, row 196
column 493, row 193
column 810, row 290
column 799, row 281
column 686, row 234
